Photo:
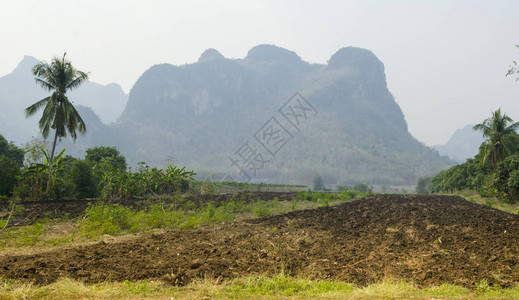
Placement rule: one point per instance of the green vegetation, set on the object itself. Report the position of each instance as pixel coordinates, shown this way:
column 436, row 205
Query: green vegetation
column 11, row 162
column 280, row 286
column 327, row 198
column 319, row 184
column 172, row 212
column 474, row 196
column 502, row 138
column 102, row 174
column 116, row 219
column 58, row 114
column 232, row 187
column 107, row 155
column 83, row 179
column 423, row 186
column 494, row 170
column 361, row 187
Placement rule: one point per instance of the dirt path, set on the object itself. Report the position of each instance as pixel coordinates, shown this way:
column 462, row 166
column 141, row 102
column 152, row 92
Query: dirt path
column 427, row 240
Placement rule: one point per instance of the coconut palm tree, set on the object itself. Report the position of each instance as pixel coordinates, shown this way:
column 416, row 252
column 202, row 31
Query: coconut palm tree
column 58, row 114
column 499, row 134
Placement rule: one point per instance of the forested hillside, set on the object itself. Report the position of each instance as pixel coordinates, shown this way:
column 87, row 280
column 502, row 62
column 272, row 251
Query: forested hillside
column 202, row 113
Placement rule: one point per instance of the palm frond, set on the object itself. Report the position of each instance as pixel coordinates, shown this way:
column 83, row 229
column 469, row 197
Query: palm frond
column 74, row 120
column 484, row 128
column 78, row 80
column 31, row 110
column 44, row 84
column 39, row 70
column 47, row 117
column 513, row 128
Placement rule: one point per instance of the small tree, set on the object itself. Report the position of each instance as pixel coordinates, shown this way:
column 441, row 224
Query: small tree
column 109, row 155
column 361, row 187
column 83, row 179
column 318, row 183
column 423, row 185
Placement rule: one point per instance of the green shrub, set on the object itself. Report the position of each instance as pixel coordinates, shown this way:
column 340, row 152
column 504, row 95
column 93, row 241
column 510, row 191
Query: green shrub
column 9, row 171
column 109, row 219
column 261, row 209
column 83, row 179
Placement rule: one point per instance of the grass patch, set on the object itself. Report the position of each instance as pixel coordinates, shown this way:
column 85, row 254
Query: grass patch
column 230, row 187
column 280, row 286
column 45, row 232
column 116, row 219
column 71, row 289
column 492, row 202
column 327, row 198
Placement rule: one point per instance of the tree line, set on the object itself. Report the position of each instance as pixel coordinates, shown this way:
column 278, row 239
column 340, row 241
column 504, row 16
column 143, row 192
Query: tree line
column 494, row 171
column 101, row 174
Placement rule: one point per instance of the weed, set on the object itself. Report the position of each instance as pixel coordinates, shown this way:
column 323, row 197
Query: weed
column 261, row 209
column 293, row 203
column 490, row 202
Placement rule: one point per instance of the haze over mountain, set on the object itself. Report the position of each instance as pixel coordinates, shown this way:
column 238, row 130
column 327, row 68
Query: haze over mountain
column 344, row 125
column 463, row 144
column 18, row 90
column 201, row 114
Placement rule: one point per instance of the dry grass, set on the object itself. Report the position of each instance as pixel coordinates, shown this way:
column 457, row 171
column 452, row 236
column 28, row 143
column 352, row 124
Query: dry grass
column 474, row 196
column 251, row 287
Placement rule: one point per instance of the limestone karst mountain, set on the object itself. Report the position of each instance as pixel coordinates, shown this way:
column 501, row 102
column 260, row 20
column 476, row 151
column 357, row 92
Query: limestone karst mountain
column 269, row 117
column 207, row 114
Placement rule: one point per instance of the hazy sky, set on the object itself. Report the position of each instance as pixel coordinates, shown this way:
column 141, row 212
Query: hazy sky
column 445, row 60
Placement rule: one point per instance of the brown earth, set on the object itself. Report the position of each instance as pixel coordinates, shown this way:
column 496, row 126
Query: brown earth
column 427, row 240
column 56, row 209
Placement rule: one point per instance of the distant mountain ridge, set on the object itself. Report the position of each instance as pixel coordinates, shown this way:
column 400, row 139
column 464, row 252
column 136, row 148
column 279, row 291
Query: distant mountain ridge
column 202, row 113
column 463, row 144
column 18, row 90
column 205, row 114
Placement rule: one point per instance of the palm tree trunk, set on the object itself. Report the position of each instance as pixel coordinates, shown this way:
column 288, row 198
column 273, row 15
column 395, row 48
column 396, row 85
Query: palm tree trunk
column 53, row 147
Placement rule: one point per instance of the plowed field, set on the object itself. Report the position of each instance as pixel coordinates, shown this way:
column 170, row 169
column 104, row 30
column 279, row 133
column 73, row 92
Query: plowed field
column 427, row 240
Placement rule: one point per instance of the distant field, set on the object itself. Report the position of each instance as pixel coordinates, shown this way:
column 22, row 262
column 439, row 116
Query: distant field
column 233, row 187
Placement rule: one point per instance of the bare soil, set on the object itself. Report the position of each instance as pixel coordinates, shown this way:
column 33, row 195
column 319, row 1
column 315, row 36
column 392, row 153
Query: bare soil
column 427, row 240
column 59, row 209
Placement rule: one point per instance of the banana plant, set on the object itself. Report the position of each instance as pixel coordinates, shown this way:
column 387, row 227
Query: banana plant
column 45, row 178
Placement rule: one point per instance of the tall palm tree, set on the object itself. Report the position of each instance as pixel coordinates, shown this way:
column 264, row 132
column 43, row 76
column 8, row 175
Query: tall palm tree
column 59, row 114
column 498, row 133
